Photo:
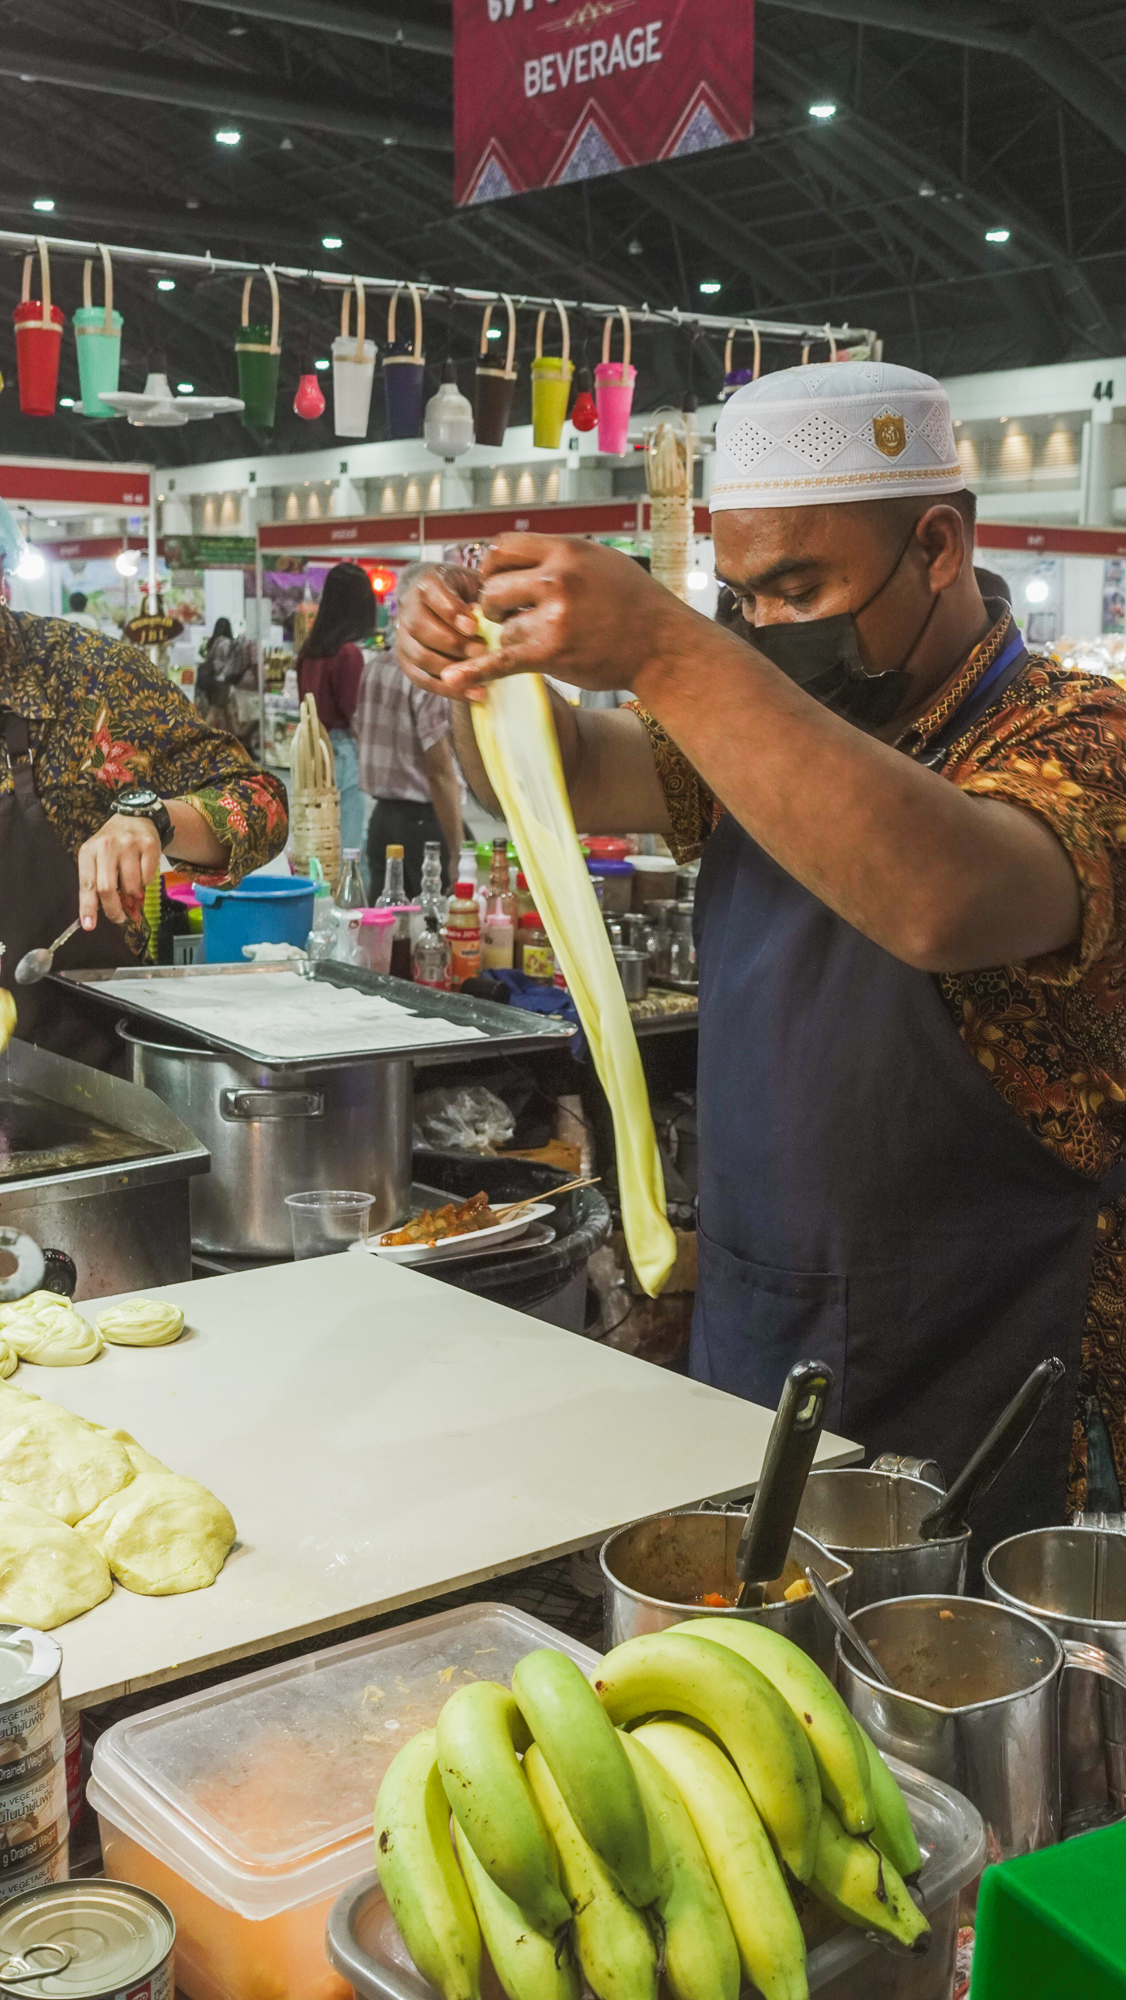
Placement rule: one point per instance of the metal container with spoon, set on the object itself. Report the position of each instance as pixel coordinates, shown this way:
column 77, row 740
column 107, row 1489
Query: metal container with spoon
column 975, row 1700
column 901, row 1536
column 1074, row 1581
column 676, row 1566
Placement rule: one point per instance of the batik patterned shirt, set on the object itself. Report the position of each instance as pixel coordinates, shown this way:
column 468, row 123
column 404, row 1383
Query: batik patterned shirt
column 1051, row 1033
column 101, row 717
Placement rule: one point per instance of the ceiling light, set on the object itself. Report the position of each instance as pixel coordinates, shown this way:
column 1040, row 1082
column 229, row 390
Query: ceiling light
column 127, row 563
column 185, row 388
column 31, row 565
column 710, row 286
column 166, row 284
column 320, row 363
column 997, row 235
column 332, row 243
column 697, row 579
column 44, row 203
column 66, row 402
column 927, row 189
column 237, row 29
column 285, row 145
column 192, row 201
column 827, row 109
column 636, row 247
column 1037, row 592
column 493, row 333
column 227, row 136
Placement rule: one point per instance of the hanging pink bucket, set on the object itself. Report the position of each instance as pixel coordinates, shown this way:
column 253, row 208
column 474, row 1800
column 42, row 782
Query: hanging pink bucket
column 613, row 390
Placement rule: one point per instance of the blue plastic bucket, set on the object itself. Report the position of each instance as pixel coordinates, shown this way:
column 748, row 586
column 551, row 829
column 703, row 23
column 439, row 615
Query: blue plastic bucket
column 264, row 909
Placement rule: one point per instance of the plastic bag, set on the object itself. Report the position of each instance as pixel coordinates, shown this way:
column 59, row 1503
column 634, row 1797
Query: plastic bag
column 462, row 1121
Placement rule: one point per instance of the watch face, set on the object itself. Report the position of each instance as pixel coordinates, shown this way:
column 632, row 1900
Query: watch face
column 137, row 798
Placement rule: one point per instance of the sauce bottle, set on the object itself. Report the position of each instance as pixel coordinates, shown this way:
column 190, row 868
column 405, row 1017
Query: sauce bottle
column 463, row 934
column 535, row 956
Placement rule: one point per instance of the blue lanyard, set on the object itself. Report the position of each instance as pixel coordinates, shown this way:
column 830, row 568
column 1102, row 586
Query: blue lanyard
column 981, row 698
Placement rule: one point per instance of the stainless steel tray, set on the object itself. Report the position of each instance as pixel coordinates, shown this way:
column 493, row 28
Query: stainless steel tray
column 510, row 1028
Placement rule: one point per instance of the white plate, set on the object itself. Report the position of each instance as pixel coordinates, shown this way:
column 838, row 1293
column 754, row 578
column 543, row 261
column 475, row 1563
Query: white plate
column 458, row 1246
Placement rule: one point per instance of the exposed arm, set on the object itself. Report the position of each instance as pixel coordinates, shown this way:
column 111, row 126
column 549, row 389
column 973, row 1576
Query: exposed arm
column 943, row 880
column 445, row 793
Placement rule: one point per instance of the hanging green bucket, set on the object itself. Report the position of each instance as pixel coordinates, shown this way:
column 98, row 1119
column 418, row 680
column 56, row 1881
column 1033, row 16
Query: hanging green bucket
column 258, row 351
column 97, row 335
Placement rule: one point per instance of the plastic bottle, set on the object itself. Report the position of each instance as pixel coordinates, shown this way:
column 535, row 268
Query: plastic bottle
column 534, row 955
column 322, row 936
column 498, row 935
column 463, row 934
column 350, row 893
column 500, row 880
column 432, row 956
column 394, row 897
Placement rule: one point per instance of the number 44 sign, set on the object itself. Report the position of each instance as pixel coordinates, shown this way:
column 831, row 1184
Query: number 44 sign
column 548, row 91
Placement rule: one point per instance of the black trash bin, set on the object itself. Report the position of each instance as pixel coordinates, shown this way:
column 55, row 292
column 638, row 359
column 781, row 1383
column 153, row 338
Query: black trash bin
column 549, row 1283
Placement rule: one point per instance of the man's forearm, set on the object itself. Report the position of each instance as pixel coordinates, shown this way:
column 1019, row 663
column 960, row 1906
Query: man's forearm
column 472, row 763
column 445, row 797
column 943, row 880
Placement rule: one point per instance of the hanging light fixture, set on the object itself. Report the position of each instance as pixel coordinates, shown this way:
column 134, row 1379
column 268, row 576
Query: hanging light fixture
column 448, row 427
column 309, row 401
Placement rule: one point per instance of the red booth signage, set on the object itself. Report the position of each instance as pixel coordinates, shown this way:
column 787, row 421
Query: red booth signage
column 562, row 90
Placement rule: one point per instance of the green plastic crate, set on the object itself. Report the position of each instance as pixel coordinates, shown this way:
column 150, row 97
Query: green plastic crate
column 1052, row 1925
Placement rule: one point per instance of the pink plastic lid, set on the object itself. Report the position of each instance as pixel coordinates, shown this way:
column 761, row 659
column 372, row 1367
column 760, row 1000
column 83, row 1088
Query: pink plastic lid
column 381, row 917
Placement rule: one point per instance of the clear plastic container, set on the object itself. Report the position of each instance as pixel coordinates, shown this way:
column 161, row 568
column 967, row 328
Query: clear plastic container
column 364, row 1944
column 247, row 1808
column 616, row 878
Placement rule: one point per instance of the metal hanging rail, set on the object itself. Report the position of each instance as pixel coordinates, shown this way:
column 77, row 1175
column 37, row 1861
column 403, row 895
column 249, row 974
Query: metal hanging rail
column 174, row 260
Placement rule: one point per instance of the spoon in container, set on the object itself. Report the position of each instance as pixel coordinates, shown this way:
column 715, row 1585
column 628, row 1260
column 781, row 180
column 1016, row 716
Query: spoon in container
column 838, row 1616
column 35, row 965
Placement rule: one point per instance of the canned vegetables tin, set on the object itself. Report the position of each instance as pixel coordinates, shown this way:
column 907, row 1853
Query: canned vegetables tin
column 31, row 1715
column 92, row 1940
column 33, row 1818
column 49, row 1868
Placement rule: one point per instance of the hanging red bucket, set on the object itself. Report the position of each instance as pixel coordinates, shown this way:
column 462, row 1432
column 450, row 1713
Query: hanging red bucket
column 39, row 338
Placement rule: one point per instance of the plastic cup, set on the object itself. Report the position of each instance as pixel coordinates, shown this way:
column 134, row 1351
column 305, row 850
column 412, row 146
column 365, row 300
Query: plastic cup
column 327, row 1220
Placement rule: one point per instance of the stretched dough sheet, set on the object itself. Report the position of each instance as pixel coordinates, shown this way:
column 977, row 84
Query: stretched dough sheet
column 516, row 736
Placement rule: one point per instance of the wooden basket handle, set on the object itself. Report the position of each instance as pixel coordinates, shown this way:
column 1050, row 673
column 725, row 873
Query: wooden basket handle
column 727, row 352
column 626, row 337
column 275, row 347
column 391, row 311
column 361, row 317
column 44, row 284
column 88, row 287
column 564, row 323
column 485, row 324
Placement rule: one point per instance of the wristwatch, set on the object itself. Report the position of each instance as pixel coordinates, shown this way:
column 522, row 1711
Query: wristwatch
column 139, row 802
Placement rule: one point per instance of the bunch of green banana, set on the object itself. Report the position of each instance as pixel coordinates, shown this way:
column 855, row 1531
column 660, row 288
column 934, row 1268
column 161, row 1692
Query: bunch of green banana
column 419, row 1874
column 674, row 1672
column 528, row 1966
column 854, row 1880
column 584, row 1754
column 834, row 1738
column 701, row 1956
column 893, row 1832
column 613, row 1940
column 755, row 1896
column 479, row 1733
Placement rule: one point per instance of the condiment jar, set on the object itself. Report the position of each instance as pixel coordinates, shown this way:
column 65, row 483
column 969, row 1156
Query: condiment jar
column 535, row 958
column 463, row 934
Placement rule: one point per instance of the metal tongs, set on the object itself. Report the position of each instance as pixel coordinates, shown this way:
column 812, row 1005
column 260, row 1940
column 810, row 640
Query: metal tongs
column 765, row 1543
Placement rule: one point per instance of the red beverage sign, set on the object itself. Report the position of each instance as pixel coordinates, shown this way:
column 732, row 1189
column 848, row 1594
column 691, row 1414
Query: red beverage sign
column 551, row 91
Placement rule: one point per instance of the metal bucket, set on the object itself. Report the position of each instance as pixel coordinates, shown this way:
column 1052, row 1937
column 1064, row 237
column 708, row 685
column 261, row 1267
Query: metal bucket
column 871, row 1520
column 276, row 1132
column 655, row 1572
column 1074, row 1581
column 976, row 1702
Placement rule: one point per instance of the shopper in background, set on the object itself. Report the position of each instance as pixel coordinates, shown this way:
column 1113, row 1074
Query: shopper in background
column 330, row 666
column 77, row 613
column 222, row 665
column 407, row 766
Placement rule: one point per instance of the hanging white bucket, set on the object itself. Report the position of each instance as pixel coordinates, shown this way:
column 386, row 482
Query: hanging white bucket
column 353, row 370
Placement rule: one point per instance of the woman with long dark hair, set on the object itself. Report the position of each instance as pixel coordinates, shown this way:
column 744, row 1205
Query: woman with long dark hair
column 330, row 666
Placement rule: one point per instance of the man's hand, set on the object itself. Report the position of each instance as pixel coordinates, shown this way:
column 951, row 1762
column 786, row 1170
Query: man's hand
column 114, row 868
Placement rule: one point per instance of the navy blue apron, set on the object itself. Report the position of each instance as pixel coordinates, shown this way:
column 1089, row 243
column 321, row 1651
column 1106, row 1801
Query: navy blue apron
column 866, row 1196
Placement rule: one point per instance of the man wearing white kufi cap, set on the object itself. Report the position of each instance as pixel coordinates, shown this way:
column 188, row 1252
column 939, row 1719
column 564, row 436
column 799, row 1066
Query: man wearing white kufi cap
column 911, row 921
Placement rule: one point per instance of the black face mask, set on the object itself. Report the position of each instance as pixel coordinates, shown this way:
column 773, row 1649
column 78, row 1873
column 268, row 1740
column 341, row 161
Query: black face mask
column 822, row 655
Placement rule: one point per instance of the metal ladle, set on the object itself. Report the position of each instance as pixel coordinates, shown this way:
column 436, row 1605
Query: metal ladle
column 35, row 965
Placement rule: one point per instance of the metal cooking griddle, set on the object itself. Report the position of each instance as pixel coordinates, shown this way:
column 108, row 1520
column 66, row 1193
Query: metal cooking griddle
column 510, row 1030
column 38, row 1137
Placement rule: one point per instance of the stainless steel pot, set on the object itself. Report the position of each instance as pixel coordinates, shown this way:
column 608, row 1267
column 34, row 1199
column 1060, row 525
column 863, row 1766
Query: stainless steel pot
column 871, row 1520
column 271, row 1133
column 975, row 1701
column 655, row 1572
column 1074, row 1581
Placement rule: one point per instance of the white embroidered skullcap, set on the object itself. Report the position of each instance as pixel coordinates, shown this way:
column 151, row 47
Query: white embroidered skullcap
column 840, row 430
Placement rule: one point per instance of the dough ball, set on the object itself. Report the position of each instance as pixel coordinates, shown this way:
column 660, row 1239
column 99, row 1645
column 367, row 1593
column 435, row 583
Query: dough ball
column 53, row 1336
column 61, row 1464
column 9, row 1359
column 47, row 1572
column 32, row 1302
column 162, row 1535
column 141, row 1323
